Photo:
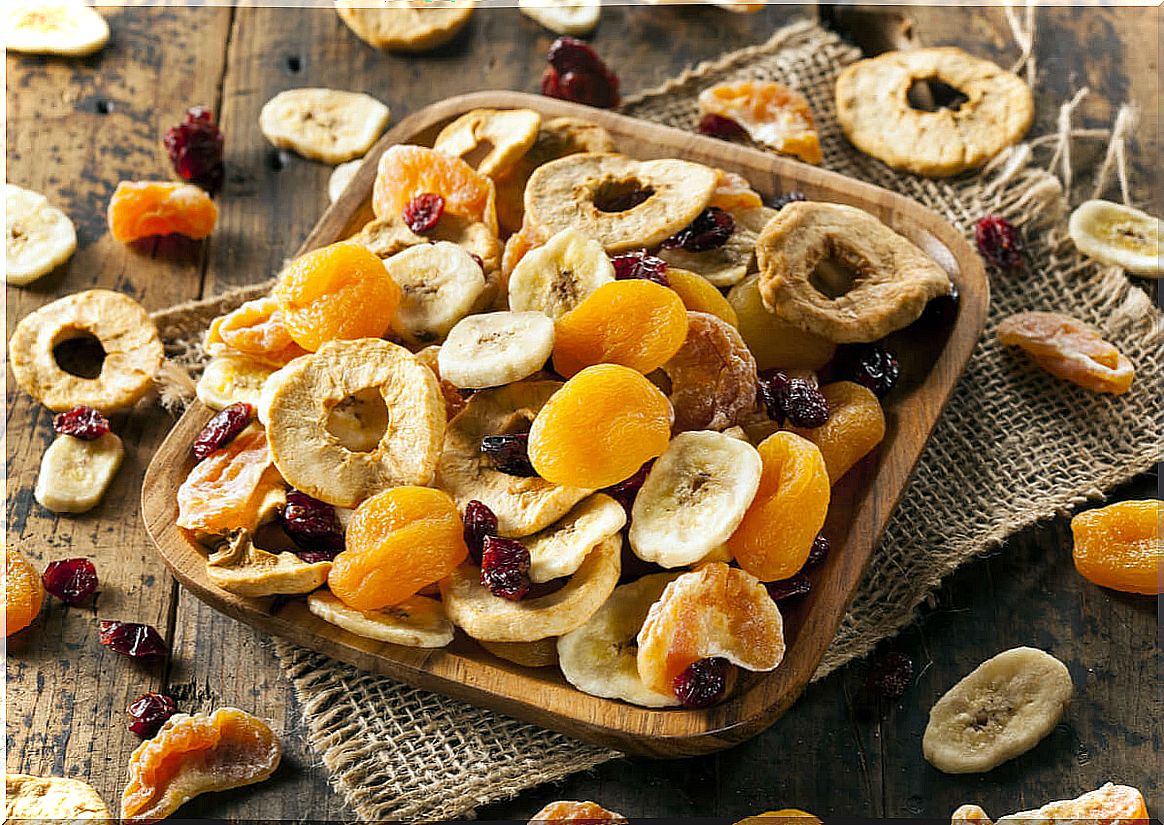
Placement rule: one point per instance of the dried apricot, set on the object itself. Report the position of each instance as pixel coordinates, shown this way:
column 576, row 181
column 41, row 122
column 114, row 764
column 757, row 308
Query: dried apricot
column 574, row 812
column 231, row 488
column 636, row 323
column 713, row 376
column 1121, row 546
column 699, row 295
column 770, row 113
column 256, row 330
column 339, row 292
column 773, row 341
column 23, row 591
column 733, row 192
column 856, row 425
column 399, row 541
column 1109, row 805
column 1069, row 349
column 794, row 815
column 145, row 208
column 407, row 171
column 599, row 428
column 192, row 755
column 775, row 537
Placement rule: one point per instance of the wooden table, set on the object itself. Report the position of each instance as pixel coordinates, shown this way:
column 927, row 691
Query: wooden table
column 75, row 128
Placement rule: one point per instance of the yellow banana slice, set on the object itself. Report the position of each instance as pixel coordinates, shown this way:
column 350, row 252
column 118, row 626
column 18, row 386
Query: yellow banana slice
column 555, row 277
column 71, row 28
column 75, row 474
column 416, row 622
column 229, row 380
column 573, row 17
column 496, row 348
column 1119, row 235
column 40, row 237
column 560, row 549
column 327, row 125
column 440, row 284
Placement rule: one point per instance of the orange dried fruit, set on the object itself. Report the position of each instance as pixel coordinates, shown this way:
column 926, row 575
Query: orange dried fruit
column 195, row 754
column 856, row 425
column 1121, row 546
column 713, row 376
column 771, row 114
column 636, row 323
column 699, row 295
column 599, row 428
column 775, row 537
column 339, row 292
column 1109, row 805
column 23, row 591
column 256, row 330
column 733, row 192
column 407, row 171
column 774, row 342
column 1069, row 349
column 233, row 487
column 398, row 542
column 796, row 816
column 714, row 611
column 142, row 209
column 568, row 811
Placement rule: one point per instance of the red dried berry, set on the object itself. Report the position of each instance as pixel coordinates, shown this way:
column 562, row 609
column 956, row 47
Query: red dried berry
column 872, row 366
column 787, row 198
column 640, row 265
column 505, row 568
column 770, row 385
column 84, row 423
column 702, row 683
column 221, row 430
column 509, row 454
column 148, row 712
column 710, row 230
column 313, row 525
column 71, row 580
column 577, row 73
column 797, row 585
column 422, row 212
column 626, row 491
column 819, row 552
column 804, row 404
column 479, row 523
column 138, row 641
column 890, row 676
column 195, row 149
column 1000, row 243
column 720, row 127
column 569, row 54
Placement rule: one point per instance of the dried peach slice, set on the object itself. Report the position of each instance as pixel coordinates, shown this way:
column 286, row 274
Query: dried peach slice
column 1069, row 349
column 770, row 113
column 714, row 611
column 145, row 208
column 23, row 591
column 1120, row 546
column 856, row 425
column 713, row 375
column 1109, row 805
column 192, row 755
column 407, row 171
column 232, row 487
column 565, row 811
column 255, row 329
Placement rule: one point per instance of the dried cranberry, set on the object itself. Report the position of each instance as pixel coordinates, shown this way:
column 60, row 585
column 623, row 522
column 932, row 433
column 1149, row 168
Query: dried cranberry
column 480, row 523
column 72, row 580
column 819, row 552
column 505, row 568
column 569, row 54
column 710, row 230
column 312, row 524
column 316, row 556
column 138, row 641
column 422, row 212
column 1000, row 243
column 148, row 712
column 871, row 366
column 720, row 127
column 509, row 453
column 577, row 73
column 770, row 386
column 640, row 265
column 787, row 198
column 702, row 683
column 627, row 490
column 797, row 585
column 890, row 676
column 84, row 423
column 221, row 430
column 804, row 404
column 195, row 149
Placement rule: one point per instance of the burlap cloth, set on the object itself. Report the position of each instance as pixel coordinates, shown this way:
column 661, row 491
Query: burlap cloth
column 1013, row 447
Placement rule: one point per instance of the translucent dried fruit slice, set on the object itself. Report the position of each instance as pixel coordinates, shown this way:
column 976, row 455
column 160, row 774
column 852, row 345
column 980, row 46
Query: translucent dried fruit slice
column 1109, row 805
column 146, row 208
column 575, row 812
column 399, row 541
column 698, row 295
column 636, row 323
column 856, row 424
column 715, row 611
column 407, row 171
column 192, row 755
column 1120, row 546
column 256, row 330
column 1069, row 349
column 772, row 114
column 970, row 813
column 776, row 535
column 713, row 375
column 600, row 427
column 231, row 487
column 23, row 591
column 733, row 192
column 773, row 341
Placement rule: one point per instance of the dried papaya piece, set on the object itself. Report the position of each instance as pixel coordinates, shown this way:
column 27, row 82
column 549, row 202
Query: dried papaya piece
column 1069, row 349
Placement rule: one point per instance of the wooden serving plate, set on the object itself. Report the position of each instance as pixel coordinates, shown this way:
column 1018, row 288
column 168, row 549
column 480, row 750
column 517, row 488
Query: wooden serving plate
column 862, row 502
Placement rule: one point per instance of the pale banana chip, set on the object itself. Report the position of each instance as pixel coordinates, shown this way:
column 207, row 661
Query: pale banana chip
column 71, row 28
column 238, row 567
column 340, row 177
column 557, row 276
column 40, row 237
column 560, row 549
column 323, row 124
column 572, row 17
column 231, row 380
column 75, row 474
column 416, row 622
column 50, row 799
column 405, row 25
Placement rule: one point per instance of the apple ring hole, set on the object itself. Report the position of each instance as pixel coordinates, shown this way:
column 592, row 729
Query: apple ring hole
column 620, row 195
column 833, row 277
column 80, row 354
column 932, row 95
column 359, row 421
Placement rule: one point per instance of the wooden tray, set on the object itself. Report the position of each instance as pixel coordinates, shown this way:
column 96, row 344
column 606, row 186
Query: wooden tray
column 861, row 505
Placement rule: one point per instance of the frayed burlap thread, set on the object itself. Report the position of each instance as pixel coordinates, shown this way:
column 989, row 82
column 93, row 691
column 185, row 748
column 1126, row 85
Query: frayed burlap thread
column 1014, row 446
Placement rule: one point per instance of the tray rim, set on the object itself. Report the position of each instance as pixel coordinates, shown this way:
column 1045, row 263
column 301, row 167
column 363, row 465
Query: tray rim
column 716, row 728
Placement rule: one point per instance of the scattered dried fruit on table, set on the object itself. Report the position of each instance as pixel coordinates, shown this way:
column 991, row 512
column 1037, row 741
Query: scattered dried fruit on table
column 496, row 348
column 51, row 799
column 557, row 276
column 81, row 422
column 196, row 754
column 407, row 171
column 418, row 621
column 1119, row 235
column 577, row 73
column 23, row 591
column 71, row 28
column 70, row 580
column 970, row 813
column 39, row 236
column 1109, row 805
column 402, row 25
column 505, row 568
column 327, row 125
column 195, row 149
column 255, row 330
column 1120, row 546
column 703, row 683
column 713, row 375
column 1000, row 243
column 137, row 641
column 772, row 114
column 148, row 712
column 233, row 487
column 496, row 138
column 1069, row 349
column 870, row 365
column 574, row 812
column 600, row 427
column 142, row 209
column 855, row 426
column 1003, row 708
column 222, row 429
column 75, row 474
column 573, row 17
column 773, row 341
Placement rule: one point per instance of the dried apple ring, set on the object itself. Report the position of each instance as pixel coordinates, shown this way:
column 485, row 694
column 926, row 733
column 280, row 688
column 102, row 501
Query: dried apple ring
column 713, row 376
column 484, row 616
column 893, row 279
column 133, row 352
column 500, row 136
column 1069, row 349
column 192, row 755
column 300, row 399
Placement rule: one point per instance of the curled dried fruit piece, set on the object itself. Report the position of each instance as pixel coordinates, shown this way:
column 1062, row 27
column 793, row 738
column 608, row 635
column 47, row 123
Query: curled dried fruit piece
column 222, row 429
column 560, row 549
column 774, row 342
column 70, row 580
column 713, row 375
column 192, row 755
column 1109, row 805
column 1120, row 546
column 503, row 136
column 23, row 591
column 238, row 567
column 772, row 114
column 574, row 812
column 418, row 621
column 1069, row 349
column 234, row 487
column 255, row 330
column 142, row 209
column 856, row 424
column 148, row 712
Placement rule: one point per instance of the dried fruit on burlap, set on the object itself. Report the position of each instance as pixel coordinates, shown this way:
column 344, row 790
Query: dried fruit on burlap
column 1069, row 349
